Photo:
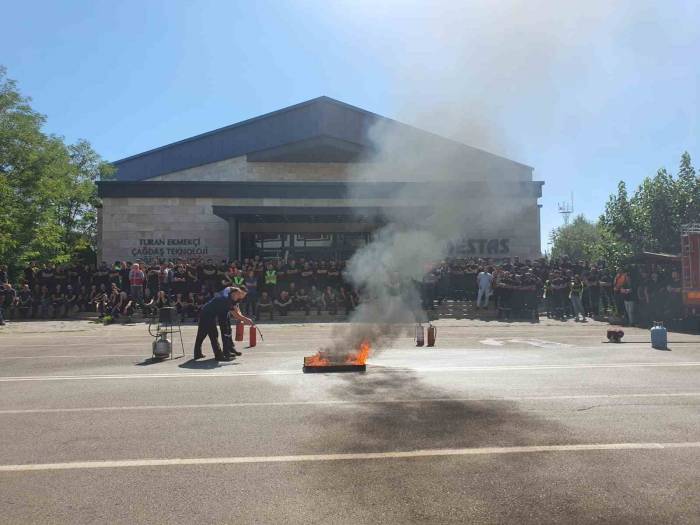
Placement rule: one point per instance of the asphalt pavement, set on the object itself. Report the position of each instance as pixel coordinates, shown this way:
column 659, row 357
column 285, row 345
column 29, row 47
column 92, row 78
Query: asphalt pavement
column 499, row 423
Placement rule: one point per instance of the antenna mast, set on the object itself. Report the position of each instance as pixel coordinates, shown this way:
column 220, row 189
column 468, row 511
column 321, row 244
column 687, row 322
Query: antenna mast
column 566, row 209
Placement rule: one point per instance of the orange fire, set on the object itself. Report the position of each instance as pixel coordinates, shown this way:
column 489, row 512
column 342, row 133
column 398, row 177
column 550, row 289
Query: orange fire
column 318, row 359
column 359, row 357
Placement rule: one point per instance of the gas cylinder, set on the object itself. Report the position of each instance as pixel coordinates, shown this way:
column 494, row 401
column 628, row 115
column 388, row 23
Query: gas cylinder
column 162, row 346
column 432, row 333
column 253, row 336
column 239, row 331
column 420, row 337
column 659, row 336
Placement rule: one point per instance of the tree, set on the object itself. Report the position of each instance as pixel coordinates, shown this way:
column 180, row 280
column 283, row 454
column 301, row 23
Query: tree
column 579, row 240
column 652, row 218
column 48, row 194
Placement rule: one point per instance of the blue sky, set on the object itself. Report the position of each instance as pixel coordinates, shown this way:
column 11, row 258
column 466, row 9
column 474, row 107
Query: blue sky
column 586, row 92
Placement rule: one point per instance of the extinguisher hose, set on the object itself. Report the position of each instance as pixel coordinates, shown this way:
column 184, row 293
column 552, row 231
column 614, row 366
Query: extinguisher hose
column 261, row 336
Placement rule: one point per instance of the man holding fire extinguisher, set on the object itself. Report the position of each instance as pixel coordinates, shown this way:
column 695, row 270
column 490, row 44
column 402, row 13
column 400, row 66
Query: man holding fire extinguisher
column 217, row 311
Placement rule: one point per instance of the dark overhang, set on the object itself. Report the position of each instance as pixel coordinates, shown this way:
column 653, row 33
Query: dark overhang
column 314, row 190
column 322, row 214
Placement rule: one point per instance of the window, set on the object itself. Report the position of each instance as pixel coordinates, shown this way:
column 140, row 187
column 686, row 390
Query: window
column 313, row 240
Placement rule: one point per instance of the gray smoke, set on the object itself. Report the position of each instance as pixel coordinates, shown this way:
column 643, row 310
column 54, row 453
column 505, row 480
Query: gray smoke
column 421, row 220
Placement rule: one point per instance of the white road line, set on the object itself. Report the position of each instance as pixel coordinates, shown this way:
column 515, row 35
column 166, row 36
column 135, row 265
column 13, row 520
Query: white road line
column 345, row 402
column 6, row 358
column 193, row 375
column 384, row 368
column 534, row 367
column 485, row 451
column 251, row 353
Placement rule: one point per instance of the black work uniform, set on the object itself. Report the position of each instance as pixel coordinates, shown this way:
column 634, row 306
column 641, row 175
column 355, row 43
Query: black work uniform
column 215, row 311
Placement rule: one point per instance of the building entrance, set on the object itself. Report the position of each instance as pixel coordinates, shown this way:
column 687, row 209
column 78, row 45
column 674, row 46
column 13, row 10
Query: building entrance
column 326, row 245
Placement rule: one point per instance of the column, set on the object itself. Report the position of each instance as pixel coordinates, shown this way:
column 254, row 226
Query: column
column 234, row 239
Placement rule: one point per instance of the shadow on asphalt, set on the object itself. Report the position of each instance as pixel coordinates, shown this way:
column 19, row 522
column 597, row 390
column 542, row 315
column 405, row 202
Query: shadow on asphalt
column 150, row 361
column 205, row 364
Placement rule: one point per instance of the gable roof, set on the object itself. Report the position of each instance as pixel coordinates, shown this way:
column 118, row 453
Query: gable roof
column 318, row 130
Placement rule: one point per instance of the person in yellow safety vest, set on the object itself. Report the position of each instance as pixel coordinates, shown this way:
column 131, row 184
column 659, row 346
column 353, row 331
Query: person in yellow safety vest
column 575, row 295
column 270, row 280
column 238, row 279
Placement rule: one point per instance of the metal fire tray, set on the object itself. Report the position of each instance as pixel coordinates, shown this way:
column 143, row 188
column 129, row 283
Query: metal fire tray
column 332, row 367
column 309, row 369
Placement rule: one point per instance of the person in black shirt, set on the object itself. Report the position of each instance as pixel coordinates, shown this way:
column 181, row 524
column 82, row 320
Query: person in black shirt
column 60, row 278
column 209, row 276
column 71, row 299
column 193, row 281
column 73, row 274
column 333, row 276
column 7, row 298
column 264, row 305
column 306, row 277
column 591, row 293
column 124, row 270
column 292, row 276
column 301, row 301
column 30, row 275
column 101, row 275
column 179, row 281
column 153, row 280
column 25, row 302
column 114, row 275
column 46, row 275
column 283, row 303
column 58, row 301
column 83, row 300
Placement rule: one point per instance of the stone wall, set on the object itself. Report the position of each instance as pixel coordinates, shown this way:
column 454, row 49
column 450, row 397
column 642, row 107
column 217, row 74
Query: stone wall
column 166, row 228
column 239, row 169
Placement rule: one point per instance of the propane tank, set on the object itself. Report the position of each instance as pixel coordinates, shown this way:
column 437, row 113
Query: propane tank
column 432, row 333
column 659, row 338
column 162, row 346
column 252, row 336
column 239, row 331
column 420, row 337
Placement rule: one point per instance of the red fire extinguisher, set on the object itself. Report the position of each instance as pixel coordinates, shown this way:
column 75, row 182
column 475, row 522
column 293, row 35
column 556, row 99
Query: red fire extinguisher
column 420, row 337
column 239, row 331
column 432, row 334
column 253, row 336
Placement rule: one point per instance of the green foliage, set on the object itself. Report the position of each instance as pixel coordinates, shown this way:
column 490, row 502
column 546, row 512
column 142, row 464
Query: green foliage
column 651, row 219
column 48, row 195
column 579, row 240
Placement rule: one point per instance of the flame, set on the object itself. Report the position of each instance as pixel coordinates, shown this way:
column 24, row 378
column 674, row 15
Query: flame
column 359, row 358
column 318, row 359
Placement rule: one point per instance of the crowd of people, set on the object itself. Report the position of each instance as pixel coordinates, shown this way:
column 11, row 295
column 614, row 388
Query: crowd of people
column 637, row 294
column 561, row 289
column 122, row 289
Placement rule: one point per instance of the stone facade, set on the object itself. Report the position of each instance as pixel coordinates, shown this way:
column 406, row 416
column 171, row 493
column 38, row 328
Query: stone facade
column 239, row 169
column 147, row 228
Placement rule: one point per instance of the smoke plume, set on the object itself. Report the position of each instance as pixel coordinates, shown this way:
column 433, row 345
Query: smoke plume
column 461, row 69
column 421, row 220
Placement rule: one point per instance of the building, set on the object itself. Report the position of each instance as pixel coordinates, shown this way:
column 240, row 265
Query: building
column 285, row 184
